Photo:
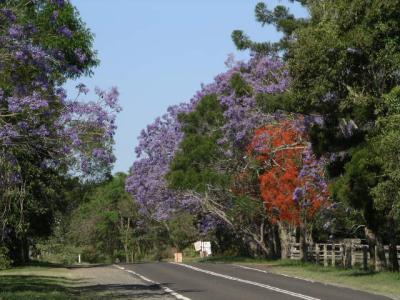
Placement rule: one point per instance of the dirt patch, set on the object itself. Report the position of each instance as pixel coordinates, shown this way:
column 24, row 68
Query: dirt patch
column 111, row 283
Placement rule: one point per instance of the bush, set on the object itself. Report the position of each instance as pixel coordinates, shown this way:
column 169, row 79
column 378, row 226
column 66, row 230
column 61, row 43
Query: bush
column 5, row 261
column 58, row 253
column 190, row 252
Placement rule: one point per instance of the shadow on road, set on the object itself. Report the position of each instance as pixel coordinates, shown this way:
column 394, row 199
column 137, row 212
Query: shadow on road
column 41, row 287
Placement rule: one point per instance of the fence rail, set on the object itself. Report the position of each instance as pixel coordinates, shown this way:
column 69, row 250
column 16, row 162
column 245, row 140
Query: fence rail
column 339, row 254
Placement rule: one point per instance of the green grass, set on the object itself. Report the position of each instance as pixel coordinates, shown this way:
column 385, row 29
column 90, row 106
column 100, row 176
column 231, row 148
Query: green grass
column 233, row 259
column 385, row 283
column 39, row 282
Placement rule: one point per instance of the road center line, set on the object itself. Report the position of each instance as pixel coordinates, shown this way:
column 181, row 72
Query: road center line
column 265, row 286
column 165, row 288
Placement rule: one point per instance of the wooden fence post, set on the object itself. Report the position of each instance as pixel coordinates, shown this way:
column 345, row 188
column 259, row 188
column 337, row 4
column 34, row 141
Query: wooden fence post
column 325, row 255
column 341, row 255
column 317, row 253
column 333, row 255
column 353, row 255
column 343, row 251
column 398, row 253
column 365, row 257
column 377, row 260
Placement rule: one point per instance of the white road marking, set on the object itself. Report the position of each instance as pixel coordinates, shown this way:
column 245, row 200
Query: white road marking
column 166, row 289
column 265, row 286
column 281, row 274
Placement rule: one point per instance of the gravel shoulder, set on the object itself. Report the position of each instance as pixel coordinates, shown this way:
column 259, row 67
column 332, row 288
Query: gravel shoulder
column 107, row 282
column 83, row 282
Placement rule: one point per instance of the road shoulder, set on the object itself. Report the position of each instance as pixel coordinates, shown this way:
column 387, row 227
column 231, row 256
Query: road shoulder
column 76, row 283
column 384, row 283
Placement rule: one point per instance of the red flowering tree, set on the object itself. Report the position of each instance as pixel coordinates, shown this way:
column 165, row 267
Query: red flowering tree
column 291, row 178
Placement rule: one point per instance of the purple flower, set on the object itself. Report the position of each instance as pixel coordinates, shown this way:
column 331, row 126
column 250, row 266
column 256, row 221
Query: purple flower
column 37, row 53
column 65, row 31
column 30, row 28
column 54, row 16
column 23, row 125
column 42, row 131
column 80, row 55
column 15, row 31
column 9, row 14
column 8, row 134
column 111, row 98
column 19, row 55
column 60, row 3
column 298, row 195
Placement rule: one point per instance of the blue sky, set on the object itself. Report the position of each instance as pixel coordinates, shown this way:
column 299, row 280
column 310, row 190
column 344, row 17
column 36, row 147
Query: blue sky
column 158, row 53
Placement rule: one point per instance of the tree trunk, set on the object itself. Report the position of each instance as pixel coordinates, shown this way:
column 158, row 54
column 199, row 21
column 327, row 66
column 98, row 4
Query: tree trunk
column 377, row 252
column 285, row 240
column 394, row 263
column 303, row 244
column 126, row 246
column 22, row 256
column 276, row 242
column 124, row 233
column 126, row 250
column 264, row 249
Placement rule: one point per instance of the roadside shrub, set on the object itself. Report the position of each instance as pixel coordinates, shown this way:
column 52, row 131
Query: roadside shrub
column 58, row 253
column 5, row 261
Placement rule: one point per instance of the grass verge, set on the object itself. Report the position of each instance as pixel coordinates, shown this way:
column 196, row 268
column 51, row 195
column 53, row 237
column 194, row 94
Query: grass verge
column 384, row 283
column 39, row 282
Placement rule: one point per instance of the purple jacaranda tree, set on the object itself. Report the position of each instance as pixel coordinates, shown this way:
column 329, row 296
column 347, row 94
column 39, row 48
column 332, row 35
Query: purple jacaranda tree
column 35, row 113
column 161, row 139
column 44, row 133
column 156, row 149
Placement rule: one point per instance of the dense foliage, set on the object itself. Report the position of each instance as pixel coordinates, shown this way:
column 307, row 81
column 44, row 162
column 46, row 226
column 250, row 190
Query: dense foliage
column 207, row 145
column 292, row 182
column 105, row 225
column 44, row 136
column 280, row 130
column 343, row 61
column 161, row 140
column 297, row 144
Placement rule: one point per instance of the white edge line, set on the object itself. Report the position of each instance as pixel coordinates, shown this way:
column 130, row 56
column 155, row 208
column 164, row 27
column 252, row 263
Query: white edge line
column 320, row 282
column 166, row 289
column 281, row 274
column 265, row 286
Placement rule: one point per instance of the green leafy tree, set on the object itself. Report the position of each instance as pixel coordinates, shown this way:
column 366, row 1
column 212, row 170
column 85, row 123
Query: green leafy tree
column 202, row 169
column 54, row 30
column 193, row 166
column 344, row 62
column 105, row 224
column 182, row 230
column 281, row 18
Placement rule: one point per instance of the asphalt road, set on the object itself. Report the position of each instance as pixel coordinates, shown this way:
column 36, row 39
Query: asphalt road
column 207, row 281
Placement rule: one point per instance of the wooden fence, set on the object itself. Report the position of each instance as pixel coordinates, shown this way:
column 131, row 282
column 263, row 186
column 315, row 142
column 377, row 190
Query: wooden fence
column 339, row 254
